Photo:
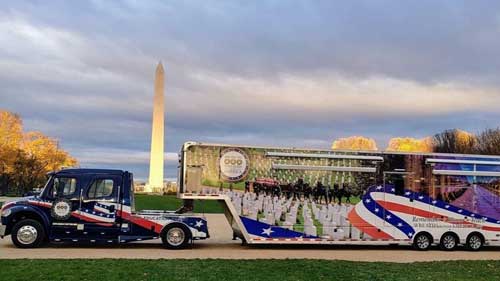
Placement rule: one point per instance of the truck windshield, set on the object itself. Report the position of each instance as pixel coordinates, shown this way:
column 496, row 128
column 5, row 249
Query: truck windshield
column 59, row 187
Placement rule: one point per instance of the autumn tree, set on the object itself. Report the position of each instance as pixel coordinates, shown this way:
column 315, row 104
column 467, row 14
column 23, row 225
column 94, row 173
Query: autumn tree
column 488, row 142
column 455, row 141
column 25, row 158
column 355, row 143
column 410, row 145
column 11, row 135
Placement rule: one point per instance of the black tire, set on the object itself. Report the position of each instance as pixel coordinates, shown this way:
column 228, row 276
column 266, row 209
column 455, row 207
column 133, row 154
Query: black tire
column 449, row 241
column 175, row 236
column 422, row 242
column 475, row 242
column 27, row 234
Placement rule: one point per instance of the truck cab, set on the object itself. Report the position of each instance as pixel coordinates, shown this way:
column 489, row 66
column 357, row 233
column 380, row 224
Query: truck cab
column 94, row 206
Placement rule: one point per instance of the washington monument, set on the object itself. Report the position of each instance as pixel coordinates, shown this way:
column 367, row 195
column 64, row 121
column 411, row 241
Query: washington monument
column 155, row 182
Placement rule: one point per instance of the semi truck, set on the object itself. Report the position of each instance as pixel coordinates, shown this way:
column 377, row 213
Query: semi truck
column 275, row 195
column 94, row 206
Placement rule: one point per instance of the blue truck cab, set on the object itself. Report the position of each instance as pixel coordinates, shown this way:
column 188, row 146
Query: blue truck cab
column 94, row 206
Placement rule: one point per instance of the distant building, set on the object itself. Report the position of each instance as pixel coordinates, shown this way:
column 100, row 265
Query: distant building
column 169, row 187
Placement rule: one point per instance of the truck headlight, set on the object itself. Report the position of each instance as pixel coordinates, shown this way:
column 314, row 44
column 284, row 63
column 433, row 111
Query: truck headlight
column 6, row 212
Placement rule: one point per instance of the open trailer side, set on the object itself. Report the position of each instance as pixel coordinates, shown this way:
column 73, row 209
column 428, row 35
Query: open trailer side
column 307, row 196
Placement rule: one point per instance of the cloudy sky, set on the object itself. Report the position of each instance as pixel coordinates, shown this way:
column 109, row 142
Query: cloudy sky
column 286, row 73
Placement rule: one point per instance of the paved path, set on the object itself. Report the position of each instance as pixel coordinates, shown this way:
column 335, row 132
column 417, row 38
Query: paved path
column 221, row 246
column 5, row 199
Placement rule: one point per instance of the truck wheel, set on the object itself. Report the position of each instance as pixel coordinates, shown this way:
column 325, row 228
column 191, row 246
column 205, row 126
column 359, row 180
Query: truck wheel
column 474, row 242
column 175, row 236
column 449, row 241
column 27, row 234
column 422, row 242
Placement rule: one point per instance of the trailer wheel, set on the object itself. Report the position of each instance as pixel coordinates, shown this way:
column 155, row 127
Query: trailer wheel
column 27, row 234
column 449, row 241
column 475, row 242
column 422, row 241
column 175, row 236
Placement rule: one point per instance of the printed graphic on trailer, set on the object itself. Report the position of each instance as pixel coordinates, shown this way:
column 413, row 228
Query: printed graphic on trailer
column 308, row 194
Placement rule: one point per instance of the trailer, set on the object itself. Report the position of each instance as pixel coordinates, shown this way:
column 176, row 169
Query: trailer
column 307, row 196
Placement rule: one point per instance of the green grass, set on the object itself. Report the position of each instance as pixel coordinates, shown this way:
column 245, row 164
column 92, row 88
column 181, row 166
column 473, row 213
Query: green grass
column 171, row 202
column 216, row 183
column 244, row 270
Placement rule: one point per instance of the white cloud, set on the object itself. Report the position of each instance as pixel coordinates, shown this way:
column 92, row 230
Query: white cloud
column 118, row 156
column 327, row 94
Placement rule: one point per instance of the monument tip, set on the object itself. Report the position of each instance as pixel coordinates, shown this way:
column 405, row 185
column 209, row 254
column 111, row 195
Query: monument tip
column 159, row 68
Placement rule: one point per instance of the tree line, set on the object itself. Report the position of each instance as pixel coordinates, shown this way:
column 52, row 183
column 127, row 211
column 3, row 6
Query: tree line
column 486, row 142
column 27, row 157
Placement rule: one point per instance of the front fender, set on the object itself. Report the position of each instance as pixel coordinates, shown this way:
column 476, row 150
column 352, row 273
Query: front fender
column 19, row 211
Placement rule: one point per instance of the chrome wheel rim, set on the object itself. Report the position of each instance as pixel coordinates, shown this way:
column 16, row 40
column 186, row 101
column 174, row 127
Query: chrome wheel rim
column 449, row 242
column 475, row 242
column 423, row 242
column 175, row 236
column 27, row 235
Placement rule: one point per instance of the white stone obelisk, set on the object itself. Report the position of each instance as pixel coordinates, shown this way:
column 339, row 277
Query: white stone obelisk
column 155, row 183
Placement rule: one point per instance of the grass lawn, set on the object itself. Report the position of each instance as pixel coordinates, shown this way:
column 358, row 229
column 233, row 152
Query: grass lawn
column 171, row 202
column 244, row 270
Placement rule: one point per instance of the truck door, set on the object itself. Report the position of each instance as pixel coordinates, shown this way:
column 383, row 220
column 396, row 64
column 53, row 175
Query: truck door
column 100, row 201
column 63, row 193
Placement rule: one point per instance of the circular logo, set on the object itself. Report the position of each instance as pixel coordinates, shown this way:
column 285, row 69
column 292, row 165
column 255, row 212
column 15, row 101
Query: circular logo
column 233, row 164
column 61, row 209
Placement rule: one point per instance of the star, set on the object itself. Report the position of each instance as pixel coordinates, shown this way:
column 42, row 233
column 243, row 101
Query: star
column 376, row 210
column 379, row 187
column 498, row 221
column 93, row 213
column 447, row 206
column 434, row 202
column 393, row 190
column 388, row 217
column 407, row 193
column 400, row 224
column 472, row 215
column 368, row 200
column 460, row 211
column 421, row 197
column 410, row 234
column 267, row 231
column 199, row 224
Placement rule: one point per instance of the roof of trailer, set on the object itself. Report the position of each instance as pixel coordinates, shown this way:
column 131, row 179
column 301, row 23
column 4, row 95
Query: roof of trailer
column 346, row 150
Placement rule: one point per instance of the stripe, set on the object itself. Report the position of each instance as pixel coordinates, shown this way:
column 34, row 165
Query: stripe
column 147, row 224
column 88, row 219
column 396, row 207
column 366, row 227
column 408, row 210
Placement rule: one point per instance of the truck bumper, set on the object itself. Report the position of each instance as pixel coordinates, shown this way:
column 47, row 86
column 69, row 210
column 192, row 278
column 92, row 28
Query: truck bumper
column 3, row 228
